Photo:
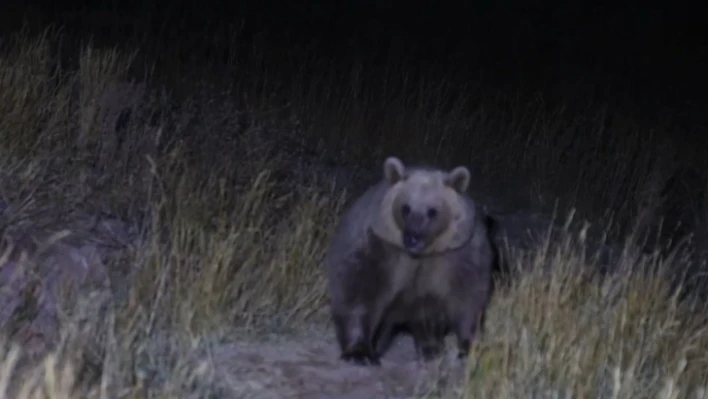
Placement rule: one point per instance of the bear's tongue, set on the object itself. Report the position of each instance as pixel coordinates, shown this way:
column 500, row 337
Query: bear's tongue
column 412, row 240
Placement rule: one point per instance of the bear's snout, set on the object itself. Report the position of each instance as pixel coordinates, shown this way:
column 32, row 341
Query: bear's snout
column 413, row 241
column 415, row 226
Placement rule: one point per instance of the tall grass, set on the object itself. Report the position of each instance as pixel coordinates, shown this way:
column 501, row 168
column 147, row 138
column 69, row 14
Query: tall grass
column 562, row 330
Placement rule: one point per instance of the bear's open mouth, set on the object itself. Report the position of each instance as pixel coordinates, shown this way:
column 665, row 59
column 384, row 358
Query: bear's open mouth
column 412, row 241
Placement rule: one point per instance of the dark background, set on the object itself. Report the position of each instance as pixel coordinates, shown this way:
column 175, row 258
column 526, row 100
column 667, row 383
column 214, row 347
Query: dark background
column 633, row 60
column 651, row 55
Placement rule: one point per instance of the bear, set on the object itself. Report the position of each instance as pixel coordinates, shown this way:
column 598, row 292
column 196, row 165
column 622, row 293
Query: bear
column 411, row 254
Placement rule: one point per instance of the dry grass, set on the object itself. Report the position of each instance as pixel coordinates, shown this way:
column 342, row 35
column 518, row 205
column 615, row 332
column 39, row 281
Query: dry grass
column 224, row 247
column 568, row 333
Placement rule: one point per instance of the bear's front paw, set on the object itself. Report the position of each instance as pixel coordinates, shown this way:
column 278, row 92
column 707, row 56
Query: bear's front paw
column 361, row 355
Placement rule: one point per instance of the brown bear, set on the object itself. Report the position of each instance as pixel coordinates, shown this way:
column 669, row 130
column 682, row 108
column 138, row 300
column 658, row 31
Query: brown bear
column 413, row 253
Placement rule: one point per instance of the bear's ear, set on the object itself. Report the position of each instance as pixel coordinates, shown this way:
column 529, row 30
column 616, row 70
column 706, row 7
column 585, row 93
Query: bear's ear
column 394, row 170
column 458, row 179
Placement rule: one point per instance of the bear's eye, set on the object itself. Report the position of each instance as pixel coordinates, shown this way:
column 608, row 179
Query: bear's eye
column 405, row 210
column 432, row 212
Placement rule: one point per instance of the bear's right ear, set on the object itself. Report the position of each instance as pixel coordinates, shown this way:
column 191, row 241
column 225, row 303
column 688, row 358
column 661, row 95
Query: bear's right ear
column 394, row 170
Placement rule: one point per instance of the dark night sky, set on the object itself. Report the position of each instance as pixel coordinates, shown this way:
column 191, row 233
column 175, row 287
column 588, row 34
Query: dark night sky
column 565, row 23
column 684, row 23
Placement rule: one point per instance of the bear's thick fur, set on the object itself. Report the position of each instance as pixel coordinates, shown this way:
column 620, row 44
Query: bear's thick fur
column 413, row 253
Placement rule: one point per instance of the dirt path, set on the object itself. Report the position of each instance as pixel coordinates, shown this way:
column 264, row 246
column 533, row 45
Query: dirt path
column 308, row 367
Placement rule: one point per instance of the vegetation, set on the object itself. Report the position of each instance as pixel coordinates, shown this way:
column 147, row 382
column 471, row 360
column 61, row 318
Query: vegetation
column 225, row 192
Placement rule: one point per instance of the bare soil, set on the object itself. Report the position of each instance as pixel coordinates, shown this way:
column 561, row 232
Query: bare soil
column 308, row 366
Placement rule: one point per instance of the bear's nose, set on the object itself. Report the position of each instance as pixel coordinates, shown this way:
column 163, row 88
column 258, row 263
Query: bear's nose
column 415, row 220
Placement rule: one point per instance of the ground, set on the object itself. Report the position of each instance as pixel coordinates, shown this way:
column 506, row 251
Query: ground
column 310, row 369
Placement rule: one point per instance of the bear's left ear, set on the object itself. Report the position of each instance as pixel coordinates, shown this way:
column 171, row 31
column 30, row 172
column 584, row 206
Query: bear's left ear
column 394, row 170
column 458, row 179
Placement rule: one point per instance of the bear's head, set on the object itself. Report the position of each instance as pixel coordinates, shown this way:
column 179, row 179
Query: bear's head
column 424, row 211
